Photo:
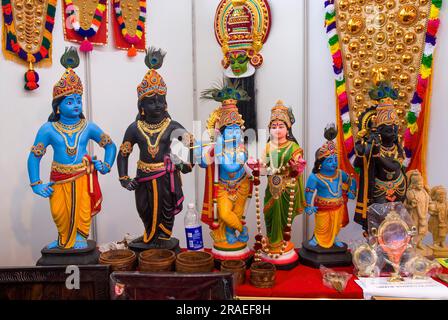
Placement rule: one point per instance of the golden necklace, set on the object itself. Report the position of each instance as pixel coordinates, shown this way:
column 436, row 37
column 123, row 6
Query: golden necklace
column 389, row 152
column 145, row 129
column 281, row 167
column 322, row 178
column 152, row 129
column 70, row 130
column 261, row 240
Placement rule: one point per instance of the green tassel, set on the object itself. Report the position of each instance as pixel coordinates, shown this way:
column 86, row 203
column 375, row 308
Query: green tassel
column 411, row 117
column 437, row 3
column 427, row 61
column 333, row 40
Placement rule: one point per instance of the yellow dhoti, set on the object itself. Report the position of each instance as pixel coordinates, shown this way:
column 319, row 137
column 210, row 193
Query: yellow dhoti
column 71, row 202
column 231, row 200
column 328, row 220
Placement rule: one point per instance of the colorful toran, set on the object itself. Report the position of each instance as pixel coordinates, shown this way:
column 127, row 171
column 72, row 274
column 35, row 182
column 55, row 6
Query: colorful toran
column 27, row 34
column 395, row 40
column 241, row 28
column 129, row 25
column 86, row 22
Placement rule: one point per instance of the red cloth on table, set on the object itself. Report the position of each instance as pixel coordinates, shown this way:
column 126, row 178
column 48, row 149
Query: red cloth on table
column 301, row 282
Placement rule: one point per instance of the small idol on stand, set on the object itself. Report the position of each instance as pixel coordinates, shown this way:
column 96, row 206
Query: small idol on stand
column 379, row 153
column 327, row 192
column 73, row 190
column 284, row 199
column 227, row 186
column 417, row 204
column 438, row 221
column 157, row 185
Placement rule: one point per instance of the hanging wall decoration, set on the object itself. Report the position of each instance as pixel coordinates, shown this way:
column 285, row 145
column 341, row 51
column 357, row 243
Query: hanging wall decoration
column 85, row 22
column 129, row 17
column 241, row 29
column 383, row 40
column 27, row 34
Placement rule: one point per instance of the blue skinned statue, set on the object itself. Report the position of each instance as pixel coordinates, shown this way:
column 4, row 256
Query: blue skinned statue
column 73, row 190
column 227, row 186
column 332, row 187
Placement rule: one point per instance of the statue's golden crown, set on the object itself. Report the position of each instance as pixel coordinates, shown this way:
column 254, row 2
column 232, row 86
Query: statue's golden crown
column 70, row 83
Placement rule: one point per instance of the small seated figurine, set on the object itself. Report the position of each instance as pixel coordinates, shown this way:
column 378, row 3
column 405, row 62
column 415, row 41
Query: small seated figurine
column 417, row 204
column 332, row 187
column 73, row 190
column 438, row 221
column 227, row 185
column 284, row 199
column 158, row 186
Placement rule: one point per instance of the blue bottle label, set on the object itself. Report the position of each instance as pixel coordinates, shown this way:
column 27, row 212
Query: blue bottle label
column 194, row 238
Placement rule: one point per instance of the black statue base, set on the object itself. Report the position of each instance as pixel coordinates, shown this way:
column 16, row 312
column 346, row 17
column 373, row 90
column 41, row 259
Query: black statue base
column 332, row 257
column 287, row 266
column 248, row 261
column 65, row 257
column 137, row 245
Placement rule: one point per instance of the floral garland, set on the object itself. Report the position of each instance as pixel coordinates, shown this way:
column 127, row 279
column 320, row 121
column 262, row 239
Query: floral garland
column 12, row 45
column 132, row 40
column 422, row 92
column 411, row 138
column 86, row 46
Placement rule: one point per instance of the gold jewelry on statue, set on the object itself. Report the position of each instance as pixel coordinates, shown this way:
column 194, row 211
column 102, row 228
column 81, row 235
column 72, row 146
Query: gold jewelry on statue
column 38, row 182
column 143, row 112
column 107, row 165
column 63, row 129
column 263, row 242
column 389, row 152
column 322, row 178
column 68, row 169
column 38, row 150
column 126, row 148
column 159, row 129
column 105, row 140
column 57, row 111
column 124, row 178
column 150, row 167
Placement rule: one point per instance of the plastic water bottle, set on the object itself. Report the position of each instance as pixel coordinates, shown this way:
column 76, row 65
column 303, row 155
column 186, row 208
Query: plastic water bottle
column 193, row 229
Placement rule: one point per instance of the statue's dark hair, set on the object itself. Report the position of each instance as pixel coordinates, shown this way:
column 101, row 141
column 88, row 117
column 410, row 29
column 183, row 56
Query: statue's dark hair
column 317, row 163
column 54, row 116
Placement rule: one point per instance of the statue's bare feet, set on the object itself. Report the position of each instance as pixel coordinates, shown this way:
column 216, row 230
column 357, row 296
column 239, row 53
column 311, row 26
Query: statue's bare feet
column 230, row 235
column 244, row 235
column 338, row 243
column 53, row 245
column 80, row 243
column 313, row 242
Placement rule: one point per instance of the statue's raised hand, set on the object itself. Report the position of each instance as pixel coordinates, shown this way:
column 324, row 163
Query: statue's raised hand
column 100, row 166
column 44, row 190
column 310, row 210
column 130, row 184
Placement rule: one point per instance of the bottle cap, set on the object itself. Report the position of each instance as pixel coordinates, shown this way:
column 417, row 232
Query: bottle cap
column 191, row 206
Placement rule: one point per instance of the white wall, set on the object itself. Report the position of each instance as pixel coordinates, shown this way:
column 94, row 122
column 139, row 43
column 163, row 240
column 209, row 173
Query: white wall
column 25, row 221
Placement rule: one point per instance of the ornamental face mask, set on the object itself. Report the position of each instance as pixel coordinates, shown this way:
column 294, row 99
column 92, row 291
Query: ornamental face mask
column 238, row 64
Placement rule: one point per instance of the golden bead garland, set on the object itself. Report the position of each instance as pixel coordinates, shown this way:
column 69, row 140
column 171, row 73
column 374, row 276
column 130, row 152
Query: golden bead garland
column 263, row 242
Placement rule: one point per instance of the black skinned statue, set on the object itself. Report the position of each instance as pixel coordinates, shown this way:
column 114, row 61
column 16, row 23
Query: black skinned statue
column 379, row 153
column 157, row 186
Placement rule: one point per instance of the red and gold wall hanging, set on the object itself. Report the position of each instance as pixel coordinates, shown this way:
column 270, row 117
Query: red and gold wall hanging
column 241, row 29
column 129, row 17
column 27, row 34
column 396, row 40
column 85, row 22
